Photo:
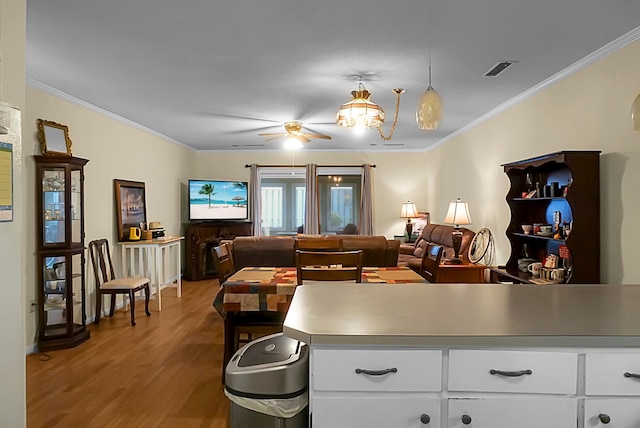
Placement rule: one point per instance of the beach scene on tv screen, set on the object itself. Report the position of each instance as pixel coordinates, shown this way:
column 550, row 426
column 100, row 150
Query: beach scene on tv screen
column 210, row 199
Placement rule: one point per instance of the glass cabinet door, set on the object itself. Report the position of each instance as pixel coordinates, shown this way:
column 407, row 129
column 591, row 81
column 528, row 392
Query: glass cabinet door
column 53, row 204
column 76, row 209
column 63, row 294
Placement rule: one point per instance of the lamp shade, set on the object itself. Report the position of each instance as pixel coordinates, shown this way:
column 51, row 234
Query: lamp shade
column 360, row 111
column 458, row 213
column 408, row 210
column 429, row 110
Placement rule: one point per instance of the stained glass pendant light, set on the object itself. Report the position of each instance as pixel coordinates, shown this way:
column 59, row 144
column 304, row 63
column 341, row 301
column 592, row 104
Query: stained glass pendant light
column 360, row 111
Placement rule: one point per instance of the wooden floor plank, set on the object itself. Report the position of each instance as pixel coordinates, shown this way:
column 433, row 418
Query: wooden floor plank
column 164, row 372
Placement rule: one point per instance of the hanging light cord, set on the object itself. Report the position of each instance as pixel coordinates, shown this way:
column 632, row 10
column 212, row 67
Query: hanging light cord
column 398, row 92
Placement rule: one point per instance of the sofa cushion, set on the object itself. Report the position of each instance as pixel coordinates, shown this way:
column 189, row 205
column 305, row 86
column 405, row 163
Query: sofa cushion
column 421, row 247
column 374, row 249
column 272, row 251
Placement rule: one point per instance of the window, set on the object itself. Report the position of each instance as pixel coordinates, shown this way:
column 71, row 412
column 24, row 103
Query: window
column 339, row 195
column 283, row 194
column 282, row 200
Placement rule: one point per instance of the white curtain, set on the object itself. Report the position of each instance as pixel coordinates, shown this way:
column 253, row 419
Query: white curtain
column 255, row 200
column 366, row 202
column 312, row 205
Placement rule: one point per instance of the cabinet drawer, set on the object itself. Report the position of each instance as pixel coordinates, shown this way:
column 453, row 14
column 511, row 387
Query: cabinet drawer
column 373, row 412
column 513, row 412
column 605, row 374
column 350, row 370
column 621, row 412
column 484, row 371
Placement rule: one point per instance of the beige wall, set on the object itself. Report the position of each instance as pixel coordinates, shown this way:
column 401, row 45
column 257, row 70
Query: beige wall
column 587, row 111
column 115, row 151
column 12, row 280
column 398, row 177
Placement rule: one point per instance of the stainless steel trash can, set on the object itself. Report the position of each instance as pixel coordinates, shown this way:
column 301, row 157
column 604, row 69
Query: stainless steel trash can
column 267, row 382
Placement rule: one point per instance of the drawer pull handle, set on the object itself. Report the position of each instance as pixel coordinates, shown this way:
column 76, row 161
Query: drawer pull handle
column 510, row 374
column 466, row 419
column 424, row 418
column 633, row 375
column 604, row 418
column 377, row 372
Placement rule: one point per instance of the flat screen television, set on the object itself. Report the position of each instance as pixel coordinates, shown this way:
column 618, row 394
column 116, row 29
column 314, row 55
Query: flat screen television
column 218, row 200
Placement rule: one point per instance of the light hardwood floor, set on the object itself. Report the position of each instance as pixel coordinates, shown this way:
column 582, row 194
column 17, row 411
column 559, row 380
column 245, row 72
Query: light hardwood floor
column 164, row 372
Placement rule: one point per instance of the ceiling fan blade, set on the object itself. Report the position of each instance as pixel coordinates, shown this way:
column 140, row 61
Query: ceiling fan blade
column 251, row 131
column 325, row 137
column 271, row 134
column 234, row 117
column 273, row 138
column 303, row 138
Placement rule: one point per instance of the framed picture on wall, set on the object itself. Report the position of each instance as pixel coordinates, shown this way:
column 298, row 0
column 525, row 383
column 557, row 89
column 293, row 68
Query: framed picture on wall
column 420, row 222
column 131, row 207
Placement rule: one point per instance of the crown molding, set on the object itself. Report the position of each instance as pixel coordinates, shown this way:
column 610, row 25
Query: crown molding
column 57, row 93
column 588, row 60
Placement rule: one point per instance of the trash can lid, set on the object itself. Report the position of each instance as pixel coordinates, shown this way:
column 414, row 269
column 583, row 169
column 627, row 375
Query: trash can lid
column 277, row 348
column 272, row 366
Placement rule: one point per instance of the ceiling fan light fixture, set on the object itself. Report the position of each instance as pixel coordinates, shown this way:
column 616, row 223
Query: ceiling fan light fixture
column 429, row 111
column 360, row 111
column 292, row 143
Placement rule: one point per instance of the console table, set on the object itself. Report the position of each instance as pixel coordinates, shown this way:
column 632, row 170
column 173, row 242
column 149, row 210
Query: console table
column 156, row 259
column 201, row 237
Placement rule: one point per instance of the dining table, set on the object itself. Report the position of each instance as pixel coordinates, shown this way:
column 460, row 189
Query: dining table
column 271, row 289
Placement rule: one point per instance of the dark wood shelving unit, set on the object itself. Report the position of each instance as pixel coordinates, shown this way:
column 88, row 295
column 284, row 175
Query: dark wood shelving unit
column 201, row 237
column 579, row 172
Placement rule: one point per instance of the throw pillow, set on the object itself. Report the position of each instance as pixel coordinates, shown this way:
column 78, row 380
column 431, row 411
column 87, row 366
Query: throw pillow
column 421, row 247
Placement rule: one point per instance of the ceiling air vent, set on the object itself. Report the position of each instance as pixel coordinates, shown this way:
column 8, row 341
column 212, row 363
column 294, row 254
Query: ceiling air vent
column 499, row 68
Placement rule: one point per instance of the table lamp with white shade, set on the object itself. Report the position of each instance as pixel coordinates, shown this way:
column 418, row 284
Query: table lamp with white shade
column 409, row 211
column 458, row 214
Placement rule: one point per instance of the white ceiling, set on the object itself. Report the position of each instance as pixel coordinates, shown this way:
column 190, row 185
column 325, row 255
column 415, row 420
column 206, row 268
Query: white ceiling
column 212, row 75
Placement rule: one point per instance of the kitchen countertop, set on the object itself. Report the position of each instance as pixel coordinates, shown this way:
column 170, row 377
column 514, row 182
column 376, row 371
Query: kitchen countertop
column 466, row 315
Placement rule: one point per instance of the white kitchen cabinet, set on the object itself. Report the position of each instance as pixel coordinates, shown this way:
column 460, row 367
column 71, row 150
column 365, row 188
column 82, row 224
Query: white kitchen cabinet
column 384, row 411
column 530, row 412
column 612, row 412
column 416, row 370
column 612, row 374
column 578, row 341
column 612, row 387
column 513, row 371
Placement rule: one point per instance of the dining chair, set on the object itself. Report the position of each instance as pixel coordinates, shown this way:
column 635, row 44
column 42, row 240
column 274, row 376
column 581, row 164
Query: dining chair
column 328, row 266
column 223, row 262
column 107, row 283
column 431, row 262
column 241, row 327
column 318, row 244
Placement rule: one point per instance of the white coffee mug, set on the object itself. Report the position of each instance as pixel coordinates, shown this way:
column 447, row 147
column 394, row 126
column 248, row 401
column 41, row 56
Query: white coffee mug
column 535, row 268
column 557, row 275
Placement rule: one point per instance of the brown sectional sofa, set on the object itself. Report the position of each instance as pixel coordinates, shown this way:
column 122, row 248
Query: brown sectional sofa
column 279, row 251
column 410, row 254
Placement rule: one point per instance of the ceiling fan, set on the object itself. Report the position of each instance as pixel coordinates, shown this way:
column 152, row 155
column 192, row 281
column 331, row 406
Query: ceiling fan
column 294, row 130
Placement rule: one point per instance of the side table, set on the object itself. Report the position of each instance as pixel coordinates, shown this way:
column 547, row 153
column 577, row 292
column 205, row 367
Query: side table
column 156, row 259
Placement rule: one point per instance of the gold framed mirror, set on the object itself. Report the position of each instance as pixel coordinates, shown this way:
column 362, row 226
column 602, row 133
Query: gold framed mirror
column 54, row 138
